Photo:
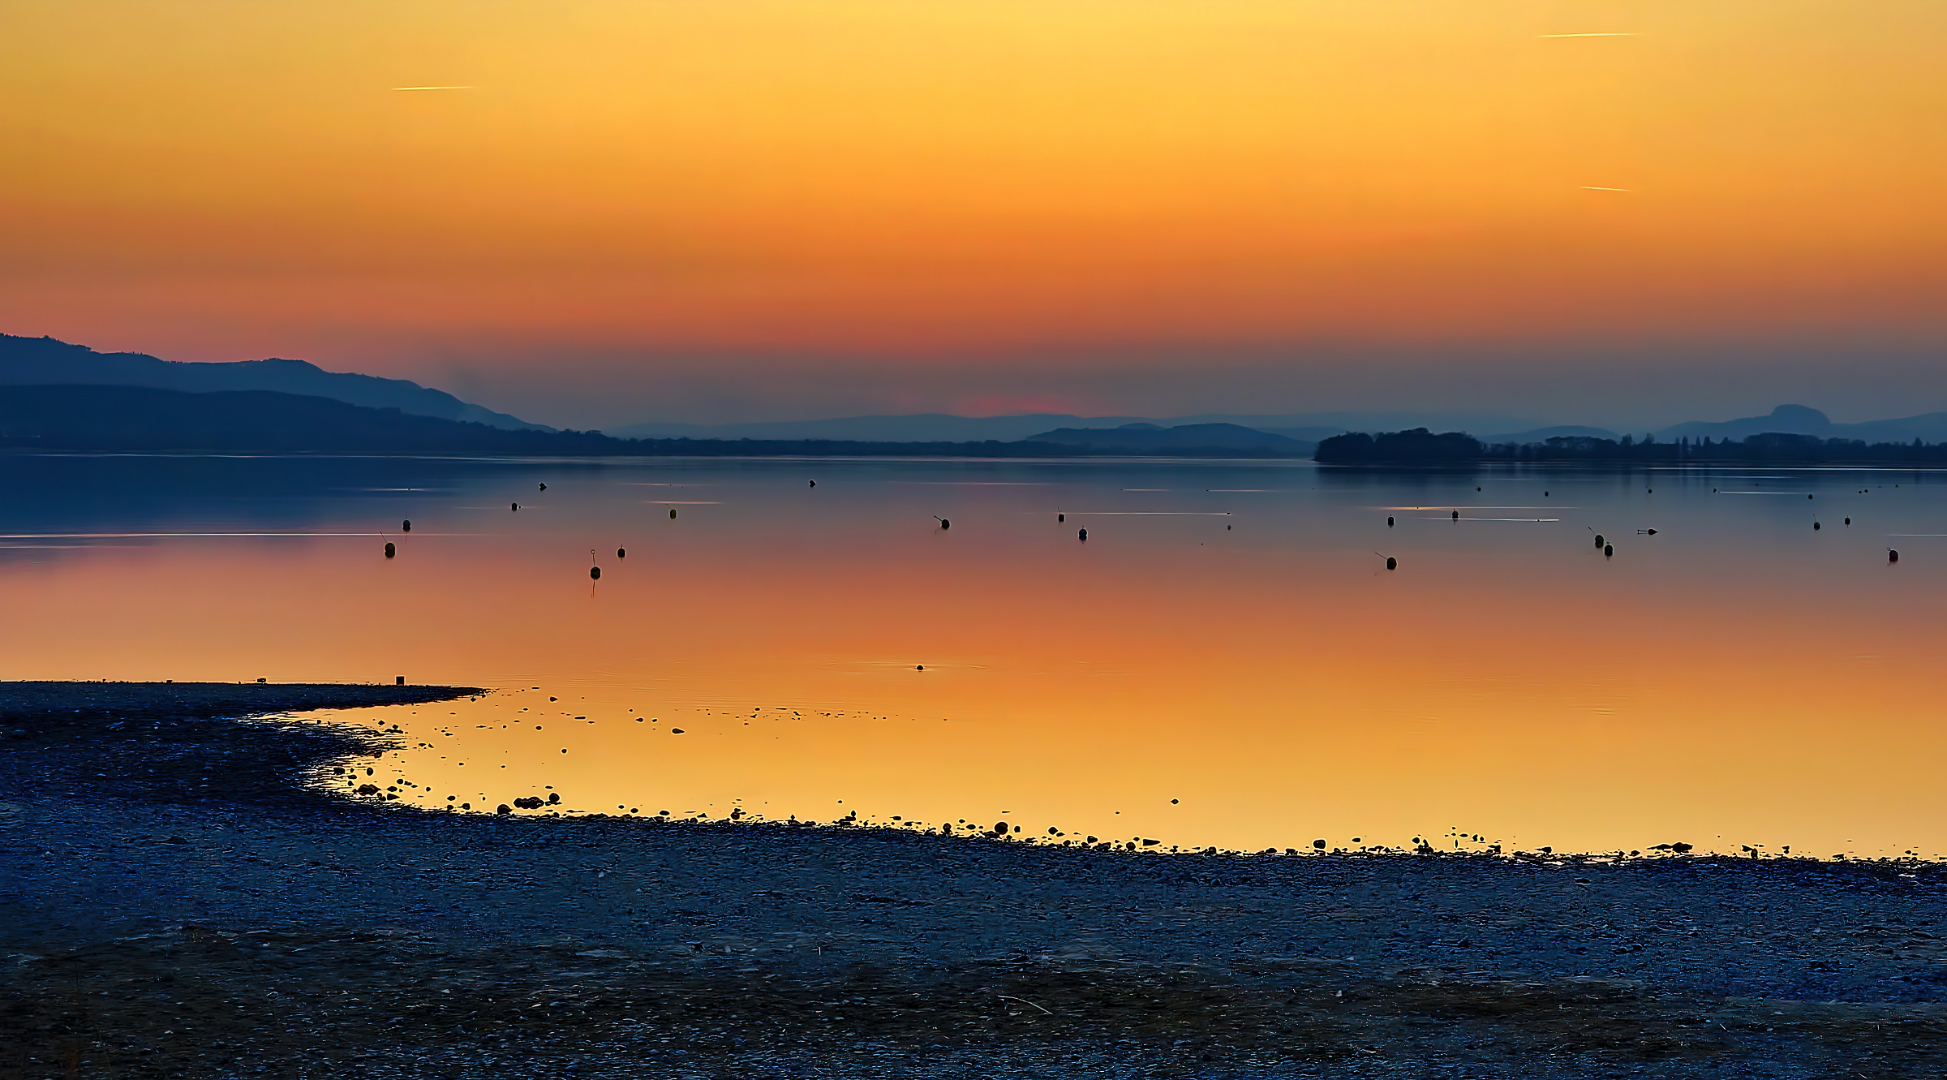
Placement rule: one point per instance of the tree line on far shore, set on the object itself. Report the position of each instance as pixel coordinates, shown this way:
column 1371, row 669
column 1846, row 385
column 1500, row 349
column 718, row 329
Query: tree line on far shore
column 1418, row 446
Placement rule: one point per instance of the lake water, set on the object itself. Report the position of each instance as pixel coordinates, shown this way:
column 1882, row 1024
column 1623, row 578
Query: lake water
column 1225, row 661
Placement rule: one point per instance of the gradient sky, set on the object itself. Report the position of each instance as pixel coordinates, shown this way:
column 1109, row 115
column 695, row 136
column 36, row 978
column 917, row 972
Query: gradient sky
column 693, row 210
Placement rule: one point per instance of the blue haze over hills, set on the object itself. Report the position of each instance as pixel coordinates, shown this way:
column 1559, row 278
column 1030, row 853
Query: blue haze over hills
column 26, row 361
column 43, row 361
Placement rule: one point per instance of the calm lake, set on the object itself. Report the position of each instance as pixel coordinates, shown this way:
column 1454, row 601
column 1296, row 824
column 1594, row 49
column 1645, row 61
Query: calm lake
column 1224, row 661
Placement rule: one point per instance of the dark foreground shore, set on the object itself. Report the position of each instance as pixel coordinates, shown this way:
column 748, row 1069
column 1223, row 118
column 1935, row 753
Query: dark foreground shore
column 174, row 903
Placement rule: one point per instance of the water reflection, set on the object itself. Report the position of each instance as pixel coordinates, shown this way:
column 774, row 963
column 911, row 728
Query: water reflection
column 1226, row 660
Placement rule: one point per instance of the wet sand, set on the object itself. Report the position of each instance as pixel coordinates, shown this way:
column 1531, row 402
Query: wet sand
column 174, row 902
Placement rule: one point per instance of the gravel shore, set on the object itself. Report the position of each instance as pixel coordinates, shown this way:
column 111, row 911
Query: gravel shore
column 174, row 902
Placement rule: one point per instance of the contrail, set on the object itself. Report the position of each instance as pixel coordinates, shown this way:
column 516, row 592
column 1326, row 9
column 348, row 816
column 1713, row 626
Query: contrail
column 432, row 88
column 1606, row 33
column 1592, row 187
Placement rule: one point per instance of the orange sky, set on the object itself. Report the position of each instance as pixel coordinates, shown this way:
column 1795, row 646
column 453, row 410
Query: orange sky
column 647, row 207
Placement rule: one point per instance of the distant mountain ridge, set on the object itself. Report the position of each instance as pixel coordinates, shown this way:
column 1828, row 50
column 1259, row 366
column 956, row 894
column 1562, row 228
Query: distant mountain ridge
column 45, row 361
column 143, row 419
column 931, row 427
column 1803, row 420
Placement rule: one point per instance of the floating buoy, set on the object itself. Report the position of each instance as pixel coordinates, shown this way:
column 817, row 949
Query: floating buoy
column 1608, row 550
column 1389, row 521
column 1808, row 496
column 389, row 549
column 1456, row 515
column 1544, row 494
column 1598, row 540
column 1892, row 555
column 406, row 525
column 1084, row 534
column 1848, row 521
column 919, row 667
column 1392, row 563
column 672, row 513
column 1059, row 518
column 621, row 553
column 594, row 573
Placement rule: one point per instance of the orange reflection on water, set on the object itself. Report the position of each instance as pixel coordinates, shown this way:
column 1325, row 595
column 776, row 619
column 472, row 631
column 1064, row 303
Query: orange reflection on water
column 1734, row 680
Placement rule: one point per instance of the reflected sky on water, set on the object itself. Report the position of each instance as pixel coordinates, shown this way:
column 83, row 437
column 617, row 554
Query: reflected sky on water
column 1224, row 661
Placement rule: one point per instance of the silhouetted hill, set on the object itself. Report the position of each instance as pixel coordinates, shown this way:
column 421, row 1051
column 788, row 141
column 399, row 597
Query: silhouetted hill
column 1197, row 439
column 44, row 361
column 137, row 418
column 132, row 418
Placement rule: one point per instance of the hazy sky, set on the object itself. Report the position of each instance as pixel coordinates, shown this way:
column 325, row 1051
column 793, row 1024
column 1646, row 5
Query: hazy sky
column 699, row 210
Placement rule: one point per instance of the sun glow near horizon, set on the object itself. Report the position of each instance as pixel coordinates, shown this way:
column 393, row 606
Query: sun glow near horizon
column 952, row 181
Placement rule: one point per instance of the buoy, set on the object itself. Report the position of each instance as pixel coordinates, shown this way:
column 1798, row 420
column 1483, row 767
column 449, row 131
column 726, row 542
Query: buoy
column 1084, row 534
column 406, row 525
column 1059, row 518
column 672, row 513
column 1848, row 521
column 1544, row 494
column 1808, row 496
column 389, row 549
column 1892, row 556
column 1392, row 563
column 1608, row 550
column 621, row 553
column 594, row 573
column 1389, row 521
column 919, row 667
column 1456, row 515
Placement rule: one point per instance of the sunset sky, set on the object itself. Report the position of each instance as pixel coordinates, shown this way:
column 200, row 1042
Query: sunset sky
column 712, row 211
